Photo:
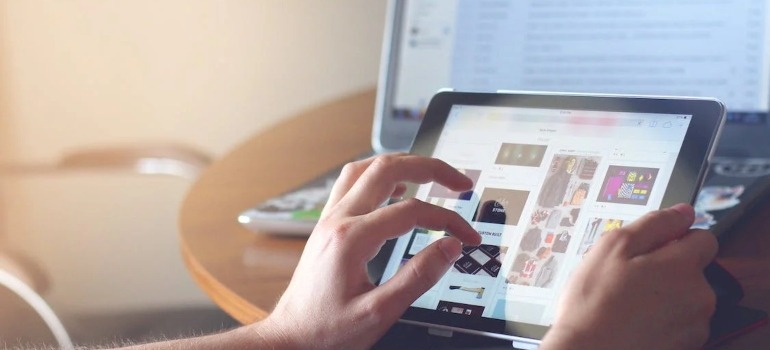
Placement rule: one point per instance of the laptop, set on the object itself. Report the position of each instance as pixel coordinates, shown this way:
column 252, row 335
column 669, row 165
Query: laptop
column 707, row 49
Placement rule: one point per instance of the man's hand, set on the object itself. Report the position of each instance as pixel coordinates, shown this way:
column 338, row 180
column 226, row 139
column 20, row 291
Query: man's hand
column 641, row 287
column 330, row 302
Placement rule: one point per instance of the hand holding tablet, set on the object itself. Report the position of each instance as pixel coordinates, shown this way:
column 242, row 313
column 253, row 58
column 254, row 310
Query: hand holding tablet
column 617, row 287
column 330, row 298
column 552, row 173
column 641, row 280
column 529, row 183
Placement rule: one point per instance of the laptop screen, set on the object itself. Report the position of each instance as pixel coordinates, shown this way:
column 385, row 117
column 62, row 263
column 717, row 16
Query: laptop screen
column 660, row 47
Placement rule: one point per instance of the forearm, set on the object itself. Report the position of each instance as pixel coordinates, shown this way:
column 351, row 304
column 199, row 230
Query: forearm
column 256, row 336
column 237, row 339
column 228, row 340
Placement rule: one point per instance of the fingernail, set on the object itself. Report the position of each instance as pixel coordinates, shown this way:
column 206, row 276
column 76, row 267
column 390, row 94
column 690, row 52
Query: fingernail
column 685, row 210
column 469, row 181
column 451, row 248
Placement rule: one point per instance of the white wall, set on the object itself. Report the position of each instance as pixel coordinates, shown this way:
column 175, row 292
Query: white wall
column 205, row 73
column 208, row 73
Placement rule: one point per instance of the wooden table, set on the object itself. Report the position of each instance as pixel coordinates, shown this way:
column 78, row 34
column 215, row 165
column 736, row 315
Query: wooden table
column 245, row 273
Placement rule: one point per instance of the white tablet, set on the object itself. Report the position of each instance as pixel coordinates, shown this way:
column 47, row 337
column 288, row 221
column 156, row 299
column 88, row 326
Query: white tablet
column 552, row 173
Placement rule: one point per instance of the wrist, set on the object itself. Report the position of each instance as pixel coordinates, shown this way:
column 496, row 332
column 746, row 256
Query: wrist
column 260, row 335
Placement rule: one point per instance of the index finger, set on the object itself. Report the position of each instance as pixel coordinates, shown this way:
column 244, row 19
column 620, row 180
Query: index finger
column 378, row 181
column 401, row 218
column 657, row 229
column 348, row 176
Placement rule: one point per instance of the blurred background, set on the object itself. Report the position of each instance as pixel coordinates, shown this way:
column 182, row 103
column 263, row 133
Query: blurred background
column 83, row 76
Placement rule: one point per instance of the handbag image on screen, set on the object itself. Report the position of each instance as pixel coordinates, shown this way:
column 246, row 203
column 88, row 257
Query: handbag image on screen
column 561, row 243
column 553, row 219
column 531, row 240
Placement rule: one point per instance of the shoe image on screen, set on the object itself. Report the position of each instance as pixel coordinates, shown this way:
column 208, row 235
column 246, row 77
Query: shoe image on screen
column 483, row 260
column 501, row 206
column 627, row 185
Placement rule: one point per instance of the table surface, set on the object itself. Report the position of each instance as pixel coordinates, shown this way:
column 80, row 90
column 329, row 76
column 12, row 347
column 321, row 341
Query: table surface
column 245, row 273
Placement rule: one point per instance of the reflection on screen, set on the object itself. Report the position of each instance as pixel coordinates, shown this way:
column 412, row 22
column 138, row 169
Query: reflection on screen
column 546, row 188
column 714, row 48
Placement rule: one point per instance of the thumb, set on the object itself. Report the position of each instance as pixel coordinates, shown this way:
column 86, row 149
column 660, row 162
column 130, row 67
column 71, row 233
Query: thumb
column 418, row 275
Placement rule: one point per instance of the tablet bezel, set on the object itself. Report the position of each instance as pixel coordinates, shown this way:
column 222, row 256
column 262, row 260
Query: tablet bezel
column 707, row 120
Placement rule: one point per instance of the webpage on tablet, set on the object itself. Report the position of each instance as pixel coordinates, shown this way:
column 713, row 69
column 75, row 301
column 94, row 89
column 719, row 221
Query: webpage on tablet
column 548, row 184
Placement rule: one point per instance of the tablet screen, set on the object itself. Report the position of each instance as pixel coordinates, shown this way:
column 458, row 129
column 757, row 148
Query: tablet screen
column 548, row 184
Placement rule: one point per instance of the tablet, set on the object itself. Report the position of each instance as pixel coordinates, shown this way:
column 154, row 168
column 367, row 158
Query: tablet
column 552, row 173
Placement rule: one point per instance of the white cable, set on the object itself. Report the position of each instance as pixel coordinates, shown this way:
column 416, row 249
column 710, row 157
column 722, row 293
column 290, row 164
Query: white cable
column 40, row 306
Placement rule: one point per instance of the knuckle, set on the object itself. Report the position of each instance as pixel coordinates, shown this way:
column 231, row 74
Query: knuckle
column 412, row 204
column 662, row 218
column 664, row 215
column 614, row 235
column 373, row 311
column 383, row 162
column 338, row 231
column 415, row 274
column 352, row 169
column 619, row 238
